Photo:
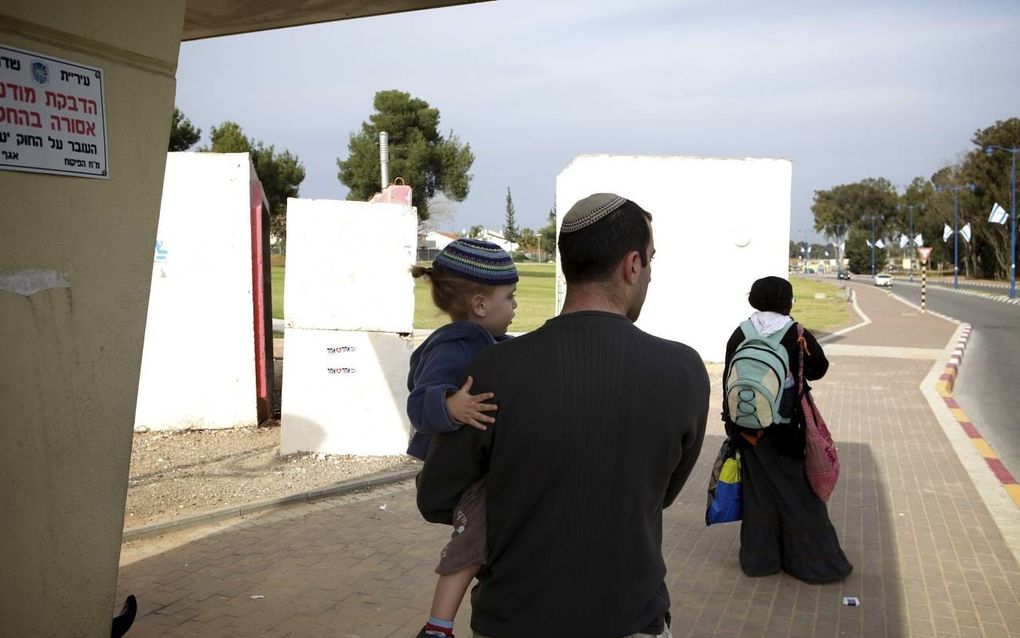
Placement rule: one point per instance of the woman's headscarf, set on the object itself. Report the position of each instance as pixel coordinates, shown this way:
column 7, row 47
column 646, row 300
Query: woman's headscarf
column 771, row 294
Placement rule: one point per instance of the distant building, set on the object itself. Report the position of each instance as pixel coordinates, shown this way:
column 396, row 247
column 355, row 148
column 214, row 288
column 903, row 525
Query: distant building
column 496, row 237
column 438, row 239
column 432, row 242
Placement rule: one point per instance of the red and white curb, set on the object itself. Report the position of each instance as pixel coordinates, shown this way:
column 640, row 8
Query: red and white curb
column 944, row 386
column 948, row 378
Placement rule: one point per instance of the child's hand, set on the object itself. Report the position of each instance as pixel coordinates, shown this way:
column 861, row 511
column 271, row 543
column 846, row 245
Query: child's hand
column 467, row 409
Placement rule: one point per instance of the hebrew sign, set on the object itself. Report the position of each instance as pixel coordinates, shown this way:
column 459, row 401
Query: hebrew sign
column 52, row 116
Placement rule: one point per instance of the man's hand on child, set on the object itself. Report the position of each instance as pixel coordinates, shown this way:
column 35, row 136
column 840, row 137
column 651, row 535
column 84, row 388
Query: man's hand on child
column 465, row 408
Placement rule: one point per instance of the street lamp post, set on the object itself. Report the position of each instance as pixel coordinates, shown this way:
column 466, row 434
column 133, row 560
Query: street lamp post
column 1012, row 246
column 840, row 230
column 956, row 227
column 911, row 243
column 910, row 240
column 872, row 245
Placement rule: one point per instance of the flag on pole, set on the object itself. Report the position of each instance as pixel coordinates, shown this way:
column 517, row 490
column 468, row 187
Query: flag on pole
column 946, row 232
column 918, row 240
column 880, row 244
column 868, row 242
column 998, row 215
column 965, row 231
column 904, row 240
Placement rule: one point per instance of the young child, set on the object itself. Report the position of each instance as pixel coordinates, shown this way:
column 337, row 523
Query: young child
column 473, row 282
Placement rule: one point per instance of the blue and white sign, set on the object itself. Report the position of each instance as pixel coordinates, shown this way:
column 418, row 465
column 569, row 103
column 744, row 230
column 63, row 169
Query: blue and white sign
column 161, row 253
column 52, row 115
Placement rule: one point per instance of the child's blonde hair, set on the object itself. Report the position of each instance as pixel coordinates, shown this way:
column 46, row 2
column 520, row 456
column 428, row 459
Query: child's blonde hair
column 450, row 292
column 466, row 267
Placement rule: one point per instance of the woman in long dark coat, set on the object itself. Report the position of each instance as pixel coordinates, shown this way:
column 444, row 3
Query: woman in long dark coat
column 785, row 525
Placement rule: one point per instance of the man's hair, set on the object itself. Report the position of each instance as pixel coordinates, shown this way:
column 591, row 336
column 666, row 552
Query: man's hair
column 591, row 253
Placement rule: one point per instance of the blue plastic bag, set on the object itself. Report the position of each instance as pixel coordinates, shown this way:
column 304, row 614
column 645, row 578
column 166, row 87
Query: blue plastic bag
column 724, row 490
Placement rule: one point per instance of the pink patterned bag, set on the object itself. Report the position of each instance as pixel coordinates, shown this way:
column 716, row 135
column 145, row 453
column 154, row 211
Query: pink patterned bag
column 821, row 462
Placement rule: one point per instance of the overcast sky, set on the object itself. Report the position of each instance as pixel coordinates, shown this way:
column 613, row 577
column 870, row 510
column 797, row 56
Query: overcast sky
column 845, row 90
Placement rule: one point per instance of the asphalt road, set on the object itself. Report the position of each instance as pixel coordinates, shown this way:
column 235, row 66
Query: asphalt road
column 988, row 387
column 992, row 289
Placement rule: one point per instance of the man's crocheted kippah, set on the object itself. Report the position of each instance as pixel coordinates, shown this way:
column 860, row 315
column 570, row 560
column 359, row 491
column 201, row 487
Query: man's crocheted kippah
column 589, row 210
column 478, row 261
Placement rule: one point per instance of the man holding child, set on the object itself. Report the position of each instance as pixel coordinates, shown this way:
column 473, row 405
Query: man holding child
column 598, row 427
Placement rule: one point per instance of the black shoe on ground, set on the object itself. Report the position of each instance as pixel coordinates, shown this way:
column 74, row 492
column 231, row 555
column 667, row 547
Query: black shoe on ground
column 425, row 634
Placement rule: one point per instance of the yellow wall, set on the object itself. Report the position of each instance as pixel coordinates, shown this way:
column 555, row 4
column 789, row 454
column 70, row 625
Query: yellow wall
column 69, row 357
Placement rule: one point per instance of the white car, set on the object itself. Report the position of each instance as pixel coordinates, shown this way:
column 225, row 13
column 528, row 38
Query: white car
column 882, row 279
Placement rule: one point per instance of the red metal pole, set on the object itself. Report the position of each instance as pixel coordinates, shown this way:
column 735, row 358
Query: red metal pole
column 263, row 399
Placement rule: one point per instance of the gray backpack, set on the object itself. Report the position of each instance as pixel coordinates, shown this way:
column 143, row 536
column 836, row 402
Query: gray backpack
column 753, row 387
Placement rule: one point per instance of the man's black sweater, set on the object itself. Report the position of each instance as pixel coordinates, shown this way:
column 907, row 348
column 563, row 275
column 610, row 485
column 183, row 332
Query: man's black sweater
column 598, row 428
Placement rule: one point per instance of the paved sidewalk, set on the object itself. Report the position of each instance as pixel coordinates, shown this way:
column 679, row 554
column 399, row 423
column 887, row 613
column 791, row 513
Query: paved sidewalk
column 929, row 557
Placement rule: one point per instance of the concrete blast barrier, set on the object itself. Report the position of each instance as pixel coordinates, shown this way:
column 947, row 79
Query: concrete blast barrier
column 349, row 309
column 718, row 225
column 347, row 266
column 198, row 363
column 345, row 392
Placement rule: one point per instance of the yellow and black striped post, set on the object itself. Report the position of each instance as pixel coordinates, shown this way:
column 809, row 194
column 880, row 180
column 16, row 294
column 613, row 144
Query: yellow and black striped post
column 924, row 252
column 924, row 281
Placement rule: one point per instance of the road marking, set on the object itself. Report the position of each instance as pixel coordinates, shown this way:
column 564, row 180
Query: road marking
column 944, row 386
column 983, row 448
column 1001, row 499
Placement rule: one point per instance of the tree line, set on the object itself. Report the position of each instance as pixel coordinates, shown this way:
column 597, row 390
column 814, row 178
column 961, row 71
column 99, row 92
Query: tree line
column 429, row 162
column 436, row 166
column 967, row 189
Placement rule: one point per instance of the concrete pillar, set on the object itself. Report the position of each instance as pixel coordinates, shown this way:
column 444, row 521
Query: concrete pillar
column 69, row 356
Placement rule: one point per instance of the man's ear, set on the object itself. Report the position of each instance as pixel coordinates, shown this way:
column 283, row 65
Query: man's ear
column 631, row 267
column 478, row 305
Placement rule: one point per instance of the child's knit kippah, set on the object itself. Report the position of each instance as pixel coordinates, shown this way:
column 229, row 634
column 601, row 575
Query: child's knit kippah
column 478, row 261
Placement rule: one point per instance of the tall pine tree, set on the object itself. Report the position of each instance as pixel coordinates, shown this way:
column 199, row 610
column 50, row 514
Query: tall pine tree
column 426, row 160
column 510, row 231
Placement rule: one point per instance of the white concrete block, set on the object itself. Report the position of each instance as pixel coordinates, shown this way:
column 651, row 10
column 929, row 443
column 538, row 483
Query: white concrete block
column 345, row 392
column 718, row 225
column 198, row 362
column 348, row 265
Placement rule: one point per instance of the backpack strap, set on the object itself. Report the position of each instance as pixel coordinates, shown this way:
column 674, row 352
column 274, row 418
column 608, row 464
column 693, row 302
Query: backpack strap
column 748, row 329
column 802, row 343
column 752, row 438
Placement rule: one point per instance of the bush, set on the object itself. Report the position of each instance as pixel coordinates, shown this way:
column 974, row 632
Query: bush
column 519, row 256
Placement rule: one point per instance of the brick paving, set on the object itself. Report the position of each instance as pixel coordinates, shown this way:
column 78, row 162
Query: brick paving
column 929, row 558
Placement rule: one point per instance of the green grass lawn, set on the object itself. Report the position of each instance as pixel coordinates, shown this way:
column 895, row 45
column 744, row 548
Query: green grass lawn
column 820, row 316
column 536, row 299
column 536, row 293
column 277, row 287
